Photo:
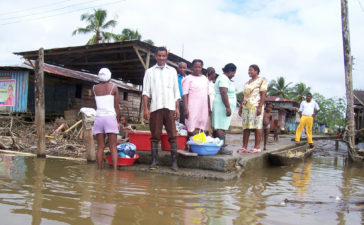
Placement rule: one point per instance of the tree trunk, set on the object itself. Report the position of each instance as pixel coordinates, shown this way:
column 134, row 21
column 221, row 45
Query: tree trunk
column 350, row 122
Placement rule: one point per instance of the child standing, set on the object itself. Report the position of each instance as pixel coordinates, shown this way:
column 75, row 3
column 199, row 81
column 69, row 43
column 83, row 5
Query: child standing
column 277, row 129
column 267, row 119
column 125, row 127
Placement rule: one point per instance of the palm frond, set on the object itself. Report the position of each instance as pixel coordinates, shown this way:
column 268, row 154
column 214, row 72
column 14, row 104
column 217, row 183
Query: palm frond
column 81, row 31
column 85, row 16
column 110, row 23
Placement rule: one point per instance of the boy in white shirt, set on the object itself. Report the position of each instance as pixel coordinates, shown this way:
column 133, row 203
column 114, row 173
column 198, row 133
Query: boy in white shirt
column 308, row 110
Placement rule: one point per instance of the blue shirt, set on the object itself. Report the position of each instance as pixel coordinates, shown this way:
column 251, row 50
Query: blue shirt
column 180, row 78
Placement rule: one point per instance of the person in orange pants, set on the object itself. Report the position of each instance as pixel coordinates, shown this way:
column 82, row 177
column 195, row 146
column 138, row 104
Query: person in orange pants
column 308, row 110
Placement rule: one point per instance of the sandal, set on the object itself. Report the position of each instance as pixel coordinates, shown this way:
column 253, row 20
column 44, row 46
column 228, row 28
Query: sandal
column 242, row 150
column 255, row 150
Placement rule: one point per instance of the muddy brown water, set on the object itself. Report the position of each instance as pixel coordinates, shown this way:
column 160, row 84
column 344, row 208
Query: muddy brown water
column 324, row 190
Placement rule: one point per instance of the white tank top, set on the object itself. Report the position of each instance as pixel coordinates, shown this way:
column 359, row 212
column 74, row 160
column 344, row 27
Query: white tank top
column 105, row 104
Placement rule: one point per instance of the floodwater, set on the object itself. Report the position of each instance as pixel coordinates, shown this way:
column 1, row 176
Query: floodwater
column 324, row 190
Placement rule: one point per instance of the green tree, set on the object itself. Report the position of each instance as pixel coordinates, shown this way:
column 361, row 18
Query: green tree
column 129, row 34
column 332, row 111
column 299, row 91
column 279, row 88
column 97, row 24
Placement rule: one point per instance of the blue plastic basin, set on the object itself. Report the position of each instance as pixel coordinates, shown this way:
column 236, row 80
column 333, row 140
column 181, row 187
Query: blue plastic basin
column 205, row 148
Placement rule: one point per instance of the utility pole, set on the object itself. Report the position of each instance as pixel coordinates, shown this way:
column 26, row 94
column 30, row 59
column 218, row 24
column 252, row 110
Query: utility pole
column 348, row 77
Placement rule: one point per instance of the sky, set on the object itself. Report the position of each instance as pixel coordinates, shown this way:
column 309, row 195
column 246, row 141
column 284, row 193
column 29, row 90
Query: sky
column 299, row 40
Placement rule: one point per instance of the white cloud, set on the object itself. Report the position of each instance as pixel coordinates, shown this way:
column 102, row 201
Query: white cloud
column 300, row 40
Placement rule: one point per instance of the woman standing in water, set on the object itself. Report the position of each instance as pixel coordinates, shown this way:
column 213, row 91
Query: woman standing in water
column 195, row 98
column 252, row 108
column 107, row 115
column 224, row 104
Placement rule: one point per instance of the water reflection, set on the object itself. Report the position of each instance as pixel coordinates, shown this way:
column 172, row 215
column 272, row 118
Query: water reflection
column 49, row 191
column 301, row 179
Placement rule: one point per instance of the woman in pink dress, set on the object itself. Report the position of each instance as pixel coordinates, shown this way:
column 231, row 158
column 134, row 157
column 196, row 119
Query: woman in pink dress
column 196, row 99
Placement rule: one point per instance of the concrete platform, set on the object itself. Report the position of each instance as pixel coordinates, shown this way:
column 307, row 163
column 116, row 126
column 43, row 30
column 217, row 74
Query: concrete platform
column 218, row 167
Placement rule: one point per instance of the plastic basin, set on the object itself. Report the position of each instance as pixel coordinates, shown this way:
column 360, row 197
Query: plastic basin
column 181, row 142
column 141, row 140
column 205, row 148
column 123, row 161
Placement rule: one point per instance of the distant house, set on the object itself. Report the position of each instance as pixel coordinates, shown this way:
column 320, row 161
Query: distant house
column 66, row 91
column 359, row 109
column 285, row 111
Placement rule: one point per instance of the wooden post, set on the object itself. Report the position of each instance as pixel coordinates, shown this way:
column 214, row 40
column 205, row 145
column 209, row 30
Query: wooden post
column 39, row 103
column 348, row 75
column 141, row 109
column 336, row 144
column 146, row 66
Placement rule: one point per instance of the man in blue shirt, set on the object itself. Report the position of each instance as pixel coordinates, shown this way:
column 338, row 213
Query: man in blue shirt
column 182, row 68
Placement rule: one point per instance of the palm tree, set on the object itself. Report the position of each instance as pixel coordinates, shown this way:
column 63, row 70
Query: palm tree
column 279, row 88
column 97, row 24
column 299, row 92
column 129, row 34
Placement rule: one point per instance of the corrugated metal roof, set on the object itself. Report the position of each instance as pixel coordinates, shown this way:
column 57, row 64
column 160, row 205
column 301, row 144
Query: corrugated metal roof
column 22, row 67
column 123, row 58
column 82, row 76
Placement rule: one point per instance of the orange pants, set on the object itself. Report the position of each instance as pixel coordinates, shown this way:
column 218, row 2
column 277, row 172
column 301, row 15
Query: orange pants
column 306, row 121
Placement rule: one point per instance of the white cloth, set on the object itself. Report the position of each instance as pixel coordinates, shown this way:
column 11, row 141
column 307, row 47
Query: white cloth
column 308, row 108
column 105, row 104
column 212, row 94
column 88, row 117
column 104, row 74
column 88, row 111
column 161, row 85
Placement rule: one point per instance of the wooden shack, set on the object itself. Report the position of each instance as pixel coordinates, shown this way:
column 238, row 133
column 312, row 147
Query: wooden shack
column 359, row 109
column 66, row 91
column 285, row 111
column 127, row 60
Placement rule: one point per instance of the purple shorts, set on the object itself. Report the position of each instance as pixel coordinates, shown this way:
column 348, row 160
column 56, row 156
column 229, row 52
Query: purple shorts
column 105, row 125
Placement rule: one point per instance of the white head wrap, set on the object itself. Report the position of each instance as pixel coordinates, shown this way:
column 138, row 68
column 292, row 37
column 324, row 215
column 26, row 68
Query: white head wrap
column 104, row 74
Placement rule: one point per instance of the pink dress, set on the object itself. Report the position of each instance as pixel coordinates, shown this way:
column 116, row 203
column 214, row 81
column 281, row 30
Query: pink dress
column 197, row 88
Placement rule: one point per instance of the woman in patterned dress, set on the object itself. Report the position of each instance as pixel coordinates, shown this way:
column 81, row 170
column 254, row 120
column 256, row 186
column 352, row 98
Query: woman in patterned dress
column 252, row 108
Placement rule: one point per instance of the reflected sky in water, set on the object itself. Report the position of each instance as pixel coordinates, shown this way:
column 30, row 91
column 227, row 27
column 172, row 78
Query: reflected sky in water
column 324, row 190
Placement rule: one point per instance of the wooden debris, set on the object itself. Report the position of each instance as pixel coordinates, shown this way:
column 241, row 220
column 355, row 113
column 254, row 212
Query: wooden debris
column 73, row 126
column 14, row 145
column 3, row 146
